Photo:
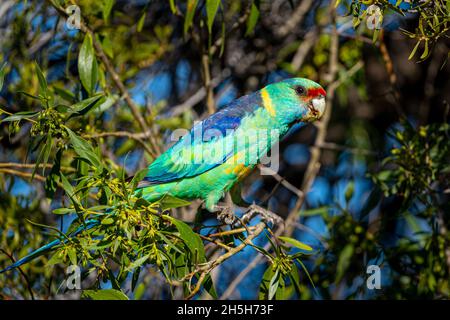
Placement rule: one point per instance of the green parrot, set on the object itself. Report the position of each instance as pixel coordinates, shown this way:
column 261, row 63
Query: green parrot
column 224, row 148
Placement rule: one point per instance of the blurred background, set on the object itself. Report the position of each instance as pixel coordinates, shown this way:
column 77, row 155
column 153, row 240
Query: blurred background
column 369, row 185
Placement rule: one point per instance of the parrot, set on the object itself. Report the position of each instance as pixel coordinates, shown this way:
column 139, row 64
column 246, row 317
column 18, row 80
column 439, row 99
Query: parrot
column 221, row 150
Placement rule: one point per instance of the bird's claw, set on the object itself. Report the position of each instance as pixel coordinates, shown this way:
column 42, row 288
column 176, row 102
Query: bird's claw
column 226, row 214
column 266, row 215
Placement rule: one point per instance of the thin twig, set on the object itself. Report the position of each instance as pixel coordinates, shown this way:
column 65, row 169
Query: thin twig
column 134, row 136
column 27, row 175
column 282, row 180
column 389, row 65
column 215, row 241
column 295, row 19
column 21, row 174
column 233, row 231
column 32, row 166
column 27, row 281
column 206, row 268
column 116, row 79
column 314, row 164
column 210, row 104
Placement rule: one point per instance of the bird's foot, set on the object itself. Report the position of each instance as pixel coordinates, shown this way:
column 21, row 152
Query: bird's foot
column 225, row 214
column 266, row 215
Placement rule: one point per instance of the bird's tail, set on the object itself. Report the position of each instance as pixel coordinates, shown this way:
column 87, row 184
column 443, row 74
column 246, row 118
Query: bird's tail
column 36, row 253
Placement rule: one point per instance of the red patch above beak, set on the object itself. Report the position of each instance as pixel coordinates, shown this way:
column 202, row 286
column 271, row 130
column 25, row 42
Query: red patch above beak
column 314, row 92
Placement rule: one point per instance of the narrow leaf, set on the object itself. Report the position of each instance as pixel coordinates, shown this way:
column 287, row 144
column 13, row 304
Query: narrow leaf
column 211, row 10
column 107, row 294
column 253, row 18
column 86, row 64
column 296, row 243
column 2, row 74
column 191, row 6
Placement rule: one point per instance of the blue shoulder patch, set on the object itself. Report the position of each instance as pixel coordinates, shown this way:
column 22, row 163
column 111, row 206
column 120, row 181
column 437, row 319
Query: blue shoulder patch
column 226, row 120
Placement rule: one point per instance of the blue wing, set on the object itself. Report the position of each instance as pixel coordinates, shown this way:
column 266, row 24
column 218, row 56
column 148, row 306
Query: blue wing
column 166, row 168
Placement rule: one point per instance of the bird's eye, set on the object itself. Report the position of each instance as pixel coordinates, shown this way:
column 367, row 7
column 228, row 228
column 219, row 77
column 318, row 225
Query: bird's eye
column 300, row 90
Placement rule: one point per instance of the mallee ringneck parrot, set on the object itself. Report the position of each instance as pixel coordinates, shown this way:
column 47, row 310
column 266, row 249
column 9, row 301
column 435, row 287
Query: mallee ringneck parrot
column 221, row 150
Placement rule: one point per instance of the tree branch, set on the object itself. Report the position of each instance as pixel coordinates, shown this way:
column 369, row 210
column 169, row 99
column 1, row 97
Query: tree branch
column 116, row 79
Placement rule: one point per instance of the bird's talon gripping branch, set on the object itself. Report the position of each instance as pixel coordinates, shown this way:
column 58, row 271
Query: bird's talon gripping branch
column 226, row 214
column 266, row 215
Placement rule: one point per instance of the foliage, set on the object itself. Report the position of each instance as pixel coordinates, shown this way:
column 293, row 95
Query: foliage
column 84, row 111
column 432, row 26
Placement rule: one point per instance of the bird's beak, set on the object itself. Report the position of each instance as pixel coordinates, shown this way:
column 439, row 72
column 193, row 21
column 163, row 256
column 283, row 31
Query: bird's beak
column 316, row 107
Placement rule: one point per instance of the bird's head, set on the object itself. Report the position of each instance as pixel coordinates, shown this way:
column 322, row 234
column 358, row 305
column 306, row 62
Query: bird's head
column 295, row 99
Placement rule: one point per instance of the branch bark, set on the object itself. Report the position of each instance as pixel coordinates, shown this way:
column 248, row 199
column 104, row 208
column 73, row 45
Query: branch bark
column 116, row 79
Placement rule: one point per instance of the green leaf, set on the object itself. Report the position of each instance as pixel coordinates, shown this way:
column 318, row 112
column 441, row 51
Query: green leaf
column 65, row 94
column 296, row 243
column 83, row 149
column 137, row 263
column 140, row 290
column 107, row 221
column 252, row 19
column 191, row 7
column 63, row 211
column 192, row 240
column 107, row 294
column 425, row 51
column 55, row 259
column 28, row 95
column 115, row 284
column 412, row 222
column 349, row 191
column 372, row 201
column 173, row 7
column 171, row 202
column 323, row 211
column 209, row 287
column 344, row 261
column 264, row 286
column 20, row 115
column 107, row 7
column 141, row 22
column 138, row 177
column 108, row 103
column 2, row 74
column 107, row 46
column 307, row 273
column 43, row 88
column 51, row 182
column 68, row 188
column 223, row 35
column 43, row 155
column 211, row 10
column 87, row 65
column 273, row 285
column 135, row 278
column 169, row 243
column 85, row 106
column 281, row 292
column 72, row 253
column 295, row 278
